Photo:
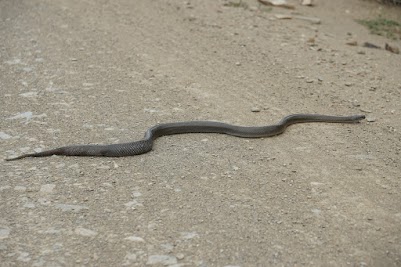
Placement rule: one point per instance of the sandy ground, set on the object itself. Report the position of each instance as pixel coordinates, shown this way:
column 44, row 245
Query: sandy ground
column 78, row 72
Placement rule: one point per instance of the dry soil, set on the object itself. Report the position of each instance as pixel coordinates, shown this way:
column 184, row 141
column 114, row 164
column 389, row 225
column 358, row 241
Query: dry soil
column 78, row 72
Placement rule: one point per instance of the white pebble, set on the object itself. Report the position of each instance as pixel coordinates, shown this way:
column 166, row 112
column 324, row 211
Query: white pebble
column 180, row 256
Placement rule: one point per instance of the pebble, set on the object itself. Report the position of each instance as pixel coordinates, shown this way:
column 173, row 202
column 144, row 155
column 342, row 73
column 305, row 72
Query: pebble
column 352, row 43
column 180, row 256
column 238, row 63
column 392, row 49
column 370, row 119
column 348, row 84
column 365, row 110
column 309, row 81
column 307, row 3
column 361, row 52
column 255, row 109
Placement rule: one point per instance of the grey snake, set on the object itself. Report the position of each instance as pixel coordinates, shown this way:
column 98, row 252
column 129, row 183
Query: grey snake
column 145, row 145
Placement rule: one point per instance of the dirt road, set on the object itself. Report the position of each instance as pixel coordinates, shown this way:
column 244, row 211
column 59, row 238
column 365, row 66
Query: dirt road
column 79, row 72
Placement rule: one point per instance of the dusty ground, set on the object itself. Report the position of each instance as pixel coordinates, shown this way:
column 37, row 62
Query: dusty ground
column 104, row 71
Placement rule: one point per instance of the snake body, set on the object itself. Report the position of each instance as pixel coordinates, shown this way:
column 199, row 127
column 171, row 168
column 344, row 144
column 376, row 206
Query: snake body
column 145, row 145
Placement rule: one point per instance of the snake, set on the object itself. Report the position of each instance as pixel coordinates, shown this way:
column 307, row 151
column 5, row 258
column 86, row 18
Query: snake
column 146, row 144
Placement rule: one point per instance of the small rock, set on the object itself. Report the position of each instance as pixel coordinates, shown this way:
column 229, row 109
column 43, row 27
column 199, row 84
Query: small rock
column 307, row 2
column 309, row 81
column 352, row 43
column 370, row 119
column 361, row 52
column 238, row 63
column 282, row 16
column 311, row 40
column 278, row 3
column 180, row 256
column 365, row 110
column 255, row 109
column 392, row 49
column 348, row 84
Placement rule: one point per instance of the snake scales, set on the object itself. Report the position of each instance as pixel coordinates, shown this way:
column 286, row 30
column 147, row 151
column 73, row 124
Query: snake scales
column 145, row 145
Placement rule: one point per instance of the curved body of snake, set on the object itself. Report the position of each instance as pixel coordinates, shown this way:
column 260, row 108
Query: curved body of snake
column 145, row 145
